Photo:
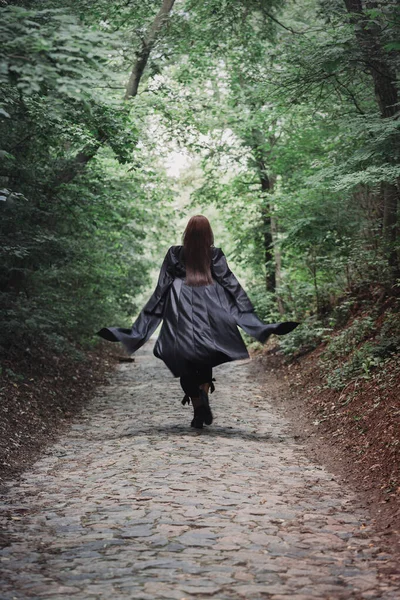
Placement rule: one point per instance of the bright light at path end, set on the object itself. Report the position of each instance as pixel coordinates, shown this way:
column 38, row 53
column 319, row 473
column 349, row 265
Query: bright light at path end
column 176, row 162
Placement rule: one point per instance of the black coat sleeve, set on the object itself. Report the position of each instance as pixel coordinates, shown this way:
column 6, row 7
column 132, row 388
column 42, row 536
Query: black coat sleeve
column 243, row 309
column 155, row 304
column 150, row 316
column 227, row 279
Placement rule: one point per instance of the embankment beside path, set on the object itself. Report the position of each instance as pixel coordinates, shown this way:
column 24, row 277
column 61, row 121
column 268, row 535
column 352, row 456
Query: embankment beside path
column 355, row 433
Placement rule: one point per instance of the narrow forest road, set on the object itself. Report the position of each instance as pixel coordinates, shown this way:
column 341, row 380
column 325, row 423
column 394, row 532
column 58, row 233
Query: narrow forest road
column 132, row 503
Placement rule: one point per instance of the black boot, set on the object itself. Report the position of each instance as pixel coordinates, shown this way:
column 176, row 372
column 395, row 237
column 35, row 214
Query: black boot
column 197, row 421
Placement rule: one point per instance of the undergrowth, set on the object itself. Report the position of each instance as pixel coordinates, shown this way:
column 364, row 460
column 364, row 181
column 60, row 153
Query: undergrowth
column 360, row 349
column 361, row 346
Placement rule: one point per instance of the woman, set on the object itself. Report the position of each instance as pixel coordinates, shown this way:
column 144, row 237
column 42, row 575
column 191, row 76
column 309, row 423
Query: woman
column 200, row 302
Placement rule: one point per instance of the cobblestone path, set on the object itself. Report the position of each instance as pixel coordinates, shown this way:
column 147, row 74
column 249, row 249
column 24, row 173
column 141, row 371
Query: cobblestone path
column 133, row 503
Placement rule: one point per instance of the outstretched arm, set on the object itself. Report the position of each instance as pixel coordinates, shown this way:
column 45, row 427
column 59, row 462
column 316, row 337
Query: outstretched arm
column 155, row 303
column 148, row 319
column 227, row 279
column 246, row 318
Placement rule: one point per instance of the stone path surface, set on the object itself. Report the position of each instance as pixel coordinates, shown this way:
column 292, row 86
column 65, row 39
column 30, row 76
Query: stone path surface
column 133, row 503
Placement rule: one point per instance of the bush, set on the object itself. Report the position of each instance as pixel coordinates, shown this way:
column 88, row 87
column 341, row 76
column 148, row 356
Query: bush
column 348, row 339
column 363, row 356
column 304, row 338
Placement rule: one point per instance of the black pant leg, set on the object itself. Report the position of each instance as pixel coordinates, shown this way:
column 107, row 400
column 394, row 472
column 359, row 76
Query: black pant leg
column 195, row 376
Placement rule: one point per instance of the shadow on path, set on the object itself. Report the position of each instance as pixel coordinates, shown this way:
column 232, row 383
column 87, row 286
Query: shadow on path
column 214, row 432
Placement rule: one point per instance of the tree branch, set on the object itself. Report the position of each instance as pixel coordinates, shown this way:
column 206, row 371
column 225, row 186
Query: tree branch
column 79, row 162
column 350, row 94
column 275, row 20
column 147, row 46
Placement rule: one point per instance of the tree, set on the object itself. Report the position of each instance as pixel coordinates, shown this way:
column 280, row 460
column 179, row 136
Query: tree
column 369, row 34
column 80, row 160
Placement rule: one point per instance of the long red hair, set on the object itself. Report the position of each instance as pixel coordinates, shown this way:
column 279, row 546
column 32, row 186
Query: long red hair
column 198, row 239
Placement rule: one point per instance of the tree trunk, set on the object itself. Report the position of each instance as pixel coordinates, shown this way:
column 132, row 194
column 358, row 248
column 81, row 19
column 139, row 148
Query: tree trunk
column 384, row 78
column 278, row 264
column 267, row 184
column 313, row 269
column 390, row 223
column 76, row 164
column 269, row 258
column 147, row 45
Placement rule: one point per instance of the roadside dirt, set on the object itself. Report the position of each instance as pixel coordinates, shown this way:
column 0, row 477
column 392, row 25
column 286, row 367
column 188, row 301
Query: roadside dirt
column 362, row 452
column 39, row 396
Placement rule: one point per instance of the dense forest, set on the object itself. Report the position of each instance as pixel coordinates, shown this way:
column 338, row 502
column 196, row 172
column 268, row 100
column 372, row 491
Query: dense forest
column 282, row 117
column 278, row 120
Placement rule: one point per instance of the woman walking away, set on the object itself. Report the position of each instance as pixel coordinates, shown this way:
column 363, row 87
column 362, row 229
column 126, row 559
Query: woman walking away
column 200, row 302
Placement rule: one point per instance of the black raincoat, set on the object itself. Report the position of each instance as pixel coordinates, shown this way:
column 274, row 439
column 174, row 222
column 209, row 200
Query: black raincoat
column 199, row 323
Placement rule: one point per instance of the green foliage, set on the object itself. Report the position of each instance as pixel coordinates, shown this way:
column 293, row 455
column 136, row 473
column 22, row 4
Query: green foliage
column 360, row 364
column 357, row 351
column 49, row 52
column 306, row 337
column 348, row 340
column 75, row 252
column 275, row 106
column 343, row 359
column 264, row 302
column 391, row 325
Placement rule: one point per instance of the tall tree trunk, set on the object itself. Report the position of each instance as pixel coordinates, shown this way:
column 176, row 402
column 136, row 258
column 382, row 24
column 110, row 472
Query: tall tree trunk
column 313, row 269
column 272, row 256
column 384, row 78
column 390, row 223
column 278, row 263
column 269, row 258
column 147, row 45
column 79, row 162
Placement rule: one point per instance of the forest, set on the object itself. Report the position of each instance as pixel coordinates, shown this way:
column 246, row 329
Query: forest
column 279, row 120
